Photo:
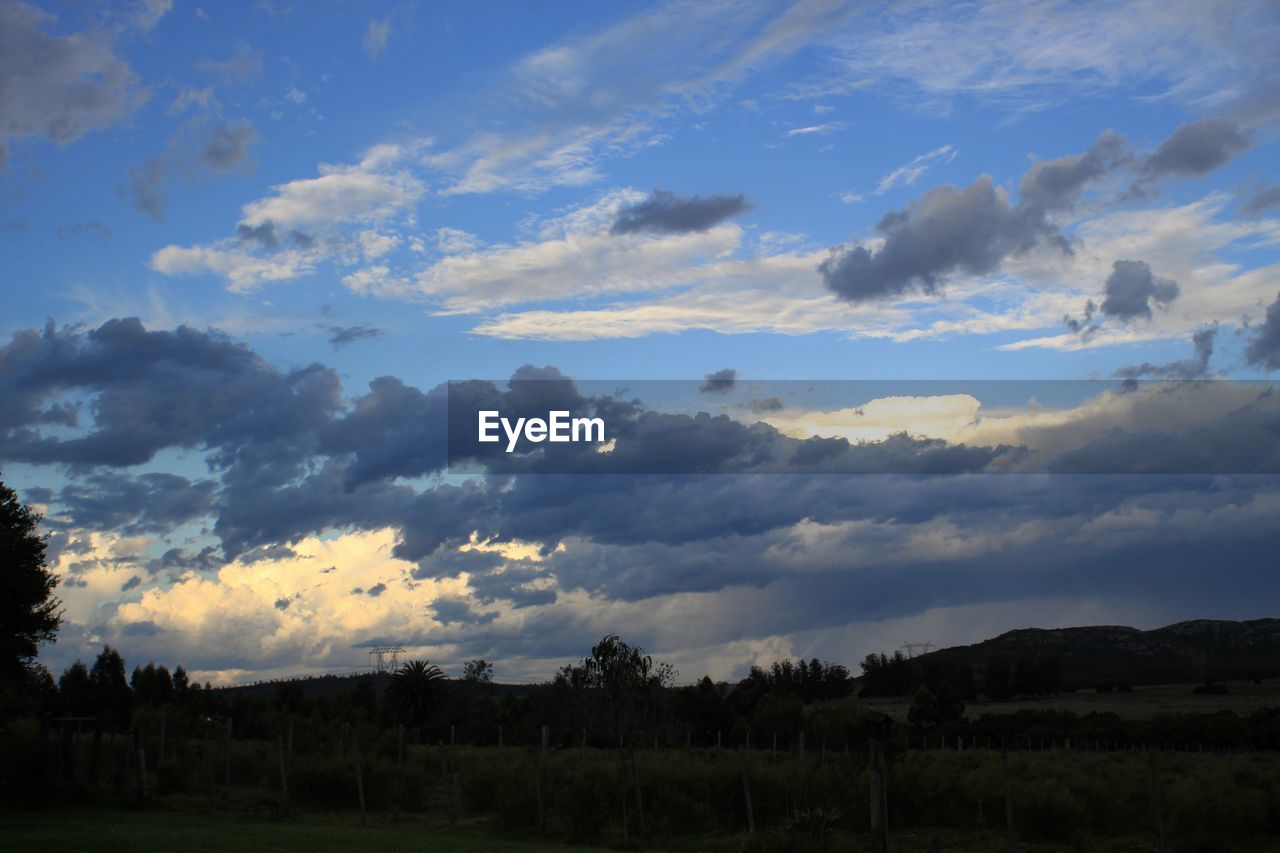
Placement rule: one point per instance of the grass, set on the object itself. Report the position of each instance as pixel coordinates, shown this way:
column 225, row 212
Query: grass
column 124, row 830
column 1144, row 703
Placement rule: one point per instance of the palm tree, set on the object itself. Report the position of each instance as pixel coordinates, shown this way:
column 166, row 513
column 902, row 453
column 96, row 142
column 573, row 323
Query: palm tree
column 415, row 690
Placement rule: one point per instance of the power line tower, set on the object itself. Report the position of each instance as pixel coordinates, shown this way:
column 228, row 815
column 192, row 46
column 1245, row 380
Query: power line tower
column 388, row 658
column 913, row 649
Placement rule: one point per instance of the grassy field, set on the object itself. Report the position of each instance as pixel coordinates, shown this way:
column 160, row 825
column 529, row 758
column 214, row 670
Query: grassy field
column 123, row 830
column 1143, row 703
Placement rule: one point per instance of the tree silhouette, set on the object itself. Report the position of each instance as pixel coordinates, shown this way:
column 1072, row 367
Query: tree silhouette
column 111, row 694
column 29, row 612
column 415, row 690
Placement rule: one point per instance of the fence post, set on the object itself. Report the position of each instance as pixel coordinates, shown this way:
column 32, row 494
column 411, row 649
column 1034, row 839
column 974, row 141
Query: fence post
column 226, row 780
column 746, row 793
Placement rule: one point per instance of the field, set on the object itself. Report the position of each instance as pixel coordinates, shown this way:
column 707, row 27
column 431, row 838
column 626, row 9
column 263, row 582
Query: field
column 1144, row 703
column 472, row 799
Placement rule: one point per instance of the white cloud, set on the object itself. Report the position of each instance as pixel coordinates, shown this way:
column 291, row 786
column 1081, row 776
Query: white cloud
column 365, row 191
column 243, row 271
column 375, row 37
column 911, row 172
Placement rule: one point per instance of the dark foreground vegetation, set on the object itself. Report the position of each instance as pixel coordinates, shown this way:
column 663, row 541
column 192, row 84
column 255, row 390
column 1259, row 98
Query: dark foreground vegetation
column 608, row 753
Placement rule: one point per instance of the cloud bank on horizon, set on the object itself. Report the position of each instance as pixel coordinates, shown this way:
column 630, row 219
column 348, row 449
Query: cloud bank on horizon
column 245, row 257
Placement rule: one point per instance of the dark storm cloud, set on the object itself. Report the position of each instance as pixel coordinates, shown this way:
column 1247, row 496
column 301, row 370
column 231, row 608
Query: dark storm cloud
column 1262, row 200
column 1197, row 366
column 719, row 382
column 341, row 336
column 1240, row 442
column 1263, row 349
column 148, row 503
column 227, row 145
column 1057, row 184
column 947, row 230
column 449, row 609
column 973, row 229
column 207, row 559
column 79, row 229
column 283, row 603
column 131, row 583
column 58, row 87
column 376, row 590
column 1132, row 288
column 1196, row 149
column 666, row 213
column 161, row 389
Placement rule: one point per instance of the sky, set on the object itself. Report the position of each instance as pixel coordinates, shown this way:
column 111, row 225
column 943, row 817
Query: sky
column 911, row 321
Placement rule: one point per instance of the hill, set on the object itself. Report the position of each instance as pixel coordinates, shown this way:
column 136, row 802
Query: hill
column 1194, row 651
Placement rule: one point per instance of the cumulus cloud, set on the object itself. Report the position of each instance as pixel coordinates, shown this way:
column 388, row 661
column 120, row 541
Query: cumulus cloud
column 58, row 87
column 666, row 213
column 1196, row 149
column 719, row 382
column 1263, row 349
column 1132, row 289
column 1202, row 343
column 948, row 229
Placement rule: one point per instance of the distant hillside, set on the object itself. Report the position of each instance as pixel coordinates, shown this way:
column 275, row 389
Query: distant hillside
column 1199, row 650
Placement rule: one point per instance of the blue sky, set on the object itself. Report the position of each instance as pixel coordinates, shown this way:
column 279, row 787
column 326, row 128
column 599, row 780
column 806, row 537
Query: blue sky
column 326, row 194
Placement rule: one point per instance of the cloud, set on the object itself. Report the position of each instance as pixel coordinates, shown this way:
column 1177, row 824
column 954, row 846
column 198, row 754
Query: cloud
column 817, row 129
column 1056, row 184
column 154, row 390
column 666, row 213
column 1183, row 51
column 363, row 191
column 375, row 37
column 1263, row 349
column 948, row 229
column 132, row 583
column 1196, row 149
column 243, row 66
column 719, row 382
column 450, row 609
column 341, row 336
column 227, row 145
column 913, row 171
column 1191, row 368
column 200, row 148
column 59, row 87
column 600, row 95
column 1132, row 288
column 147, row 503
column 1262, row 200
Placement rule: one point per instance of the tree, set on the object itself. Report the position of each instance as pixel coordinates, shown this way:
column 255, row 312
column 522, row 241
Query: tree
column 111, row 693
column 924, row 709
column 478, row 671
column 415, row 690
column 29, row 611
column 75, row 691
